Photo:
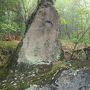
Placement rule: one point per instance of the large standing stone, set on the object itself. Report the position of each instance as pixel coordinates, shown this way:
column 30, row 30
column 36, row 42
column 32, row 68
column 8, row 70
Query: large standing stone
column 41, row 43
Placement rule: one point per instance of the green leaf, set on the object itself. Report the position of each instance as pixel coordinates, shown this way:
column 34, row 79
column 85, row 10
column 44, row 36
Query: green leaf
column 63, row 21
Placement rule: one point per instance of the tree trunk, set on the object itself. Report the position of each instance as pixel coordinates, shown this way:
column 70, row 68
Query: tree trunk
column 41, row 42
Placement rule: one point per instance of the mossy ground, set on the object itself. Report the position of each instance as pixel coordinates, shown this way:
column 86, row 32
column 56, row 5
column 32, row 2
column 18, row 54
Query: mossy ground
column 8, row 44
column 40, row 74
column 76, row 64
column 6, row 50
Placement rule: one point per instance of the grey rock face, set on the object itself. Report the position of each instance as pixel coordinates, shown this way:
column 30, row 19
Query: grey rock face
column 41, row 43
column 74, row 80
column 68, row 80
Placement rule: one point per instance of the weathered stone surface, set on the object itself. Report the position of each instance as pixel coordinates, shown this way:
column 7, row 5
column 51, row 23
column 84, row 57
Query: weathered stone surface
column 68, row 80
column 41, row 44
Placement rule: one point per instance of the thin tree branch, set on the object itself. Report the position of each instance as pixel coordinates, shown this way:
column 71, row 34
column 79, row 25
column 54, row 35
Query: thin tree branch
column 78, row 41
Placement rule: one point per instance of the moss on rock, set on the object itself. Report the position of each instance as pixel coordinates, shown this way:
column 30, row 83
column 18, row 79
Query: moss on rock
column 49, row 76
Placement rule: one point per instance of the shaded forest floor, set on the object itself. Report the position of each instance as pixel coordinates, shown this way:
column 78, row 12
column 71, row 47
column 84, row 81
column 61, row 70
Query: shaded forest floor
column 21, row 78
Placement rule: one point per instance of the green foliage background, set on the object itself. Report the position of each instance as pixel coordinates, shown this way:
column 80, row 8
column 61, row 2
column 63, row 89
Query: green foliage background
column 74, row 18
